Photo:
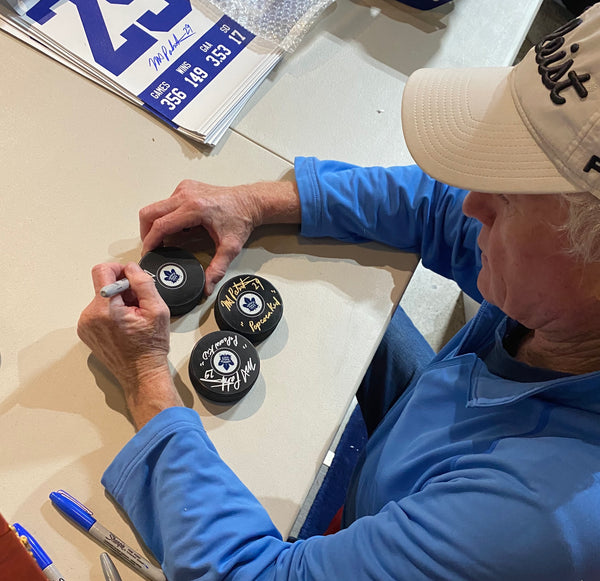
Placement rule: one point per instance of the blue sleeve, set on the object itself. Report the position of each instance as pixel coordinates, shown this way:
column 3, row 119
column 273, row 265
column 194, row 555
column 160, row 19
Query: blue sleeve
column 202, row 523
column 398, row 206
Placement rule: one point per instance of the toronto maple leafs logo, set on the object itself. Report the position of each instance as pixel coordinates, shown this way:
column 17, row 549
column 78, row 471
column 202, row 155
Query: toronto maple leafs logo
column 171, row 276
column 225, row 361
column 250, row 304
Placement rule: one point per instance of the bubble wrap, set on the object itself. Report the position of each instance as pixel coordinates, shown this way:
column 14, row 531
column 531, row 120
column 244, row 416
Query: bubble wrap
column 284, row 22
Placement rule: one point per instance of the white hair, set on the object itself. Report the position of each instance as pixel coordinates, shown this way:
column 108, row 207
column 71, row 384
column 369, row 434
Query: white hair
column 583, row 226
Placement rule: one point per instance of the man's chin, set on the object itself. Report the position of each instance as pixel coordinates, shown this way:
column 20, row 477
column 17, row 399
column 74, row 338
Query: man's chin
column 483, row 288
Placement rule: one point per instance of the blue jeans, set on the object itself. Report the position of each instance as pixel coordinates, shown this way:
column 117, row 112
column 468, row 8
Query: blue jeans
column 400, row 357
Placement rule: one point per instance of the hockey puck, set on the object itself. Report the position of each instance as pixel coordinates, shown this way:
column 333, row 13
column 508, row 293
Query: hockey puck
column 249, row 305
column 223, row 366
column 178, row 276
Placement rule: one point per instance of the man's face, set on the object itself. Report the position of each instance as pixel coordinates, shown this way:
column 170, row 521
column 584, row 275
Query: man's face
column 525, row 270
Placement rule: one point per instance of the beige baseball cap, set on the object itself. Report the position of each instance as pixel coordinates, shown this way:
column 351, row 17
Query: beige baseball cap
column 531, row 128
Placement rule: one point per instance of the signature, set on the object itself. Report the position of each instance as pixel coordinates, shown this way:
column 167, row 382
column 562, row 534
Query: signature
column 166, row 51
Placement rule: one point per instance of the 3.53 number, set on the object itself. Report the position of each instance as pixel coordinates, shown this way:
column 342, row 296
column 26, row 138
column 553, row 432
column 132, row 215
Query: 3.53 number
column 218, row 55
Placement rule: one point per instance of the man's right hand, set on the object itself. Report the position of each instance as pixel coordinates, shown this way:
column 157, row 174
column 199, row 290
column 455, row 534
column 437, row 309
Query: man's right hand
column 228, row 214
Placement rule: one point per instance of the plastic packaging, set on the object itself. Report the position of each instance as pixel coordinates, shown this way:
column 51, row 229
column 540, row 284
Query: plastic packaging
column 284, row 22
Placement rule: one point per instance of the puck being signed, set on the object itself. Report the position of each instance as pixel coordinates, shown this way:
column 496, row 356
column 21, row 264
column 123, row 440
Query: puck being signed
column 178, row 275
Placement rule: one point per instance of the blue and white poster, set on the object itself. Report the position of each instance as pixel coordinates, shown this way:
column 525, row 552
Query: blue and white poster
column 183, row 60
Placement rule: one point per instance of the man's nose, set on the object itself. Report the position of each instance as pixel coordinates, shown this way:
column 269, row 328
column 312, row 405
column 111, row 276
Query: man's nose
column 479, row 206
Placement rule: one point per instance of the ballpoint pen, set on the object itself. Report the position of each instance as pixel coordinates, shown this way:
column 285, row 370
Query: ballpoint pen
column 108, row 568
column 43, row 560
column 82, row 516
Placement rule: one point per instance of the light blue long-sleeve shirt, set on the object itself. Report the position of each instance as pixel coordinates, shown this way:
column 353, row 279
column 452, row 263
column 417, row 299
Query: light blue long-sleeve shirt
column 468, row 477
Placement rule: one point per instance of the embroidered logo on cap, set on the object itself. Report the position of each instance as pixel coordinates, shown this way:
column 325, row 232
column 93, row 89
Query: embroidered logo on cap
column 593, row 164
column 554, row 65
column 549, row 56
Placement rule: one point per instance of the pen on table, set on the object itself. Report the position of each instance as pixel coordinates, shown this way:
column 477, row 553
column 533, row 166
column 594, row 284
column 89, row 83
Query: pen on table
column 82, row 516
column 108, row 568
column 110, row 290
column 43, row 560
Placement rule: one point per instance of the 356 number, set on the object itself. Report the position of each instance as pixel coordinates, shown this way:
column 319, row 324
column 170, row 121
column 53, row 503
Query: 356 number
column 173, row 98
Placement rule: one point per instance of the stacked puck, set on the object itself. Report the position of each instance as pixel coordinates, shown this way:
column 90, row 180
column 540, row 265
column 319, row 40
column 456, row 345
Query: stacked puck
column 249, row 305
column 178, row 275
column 223, row 366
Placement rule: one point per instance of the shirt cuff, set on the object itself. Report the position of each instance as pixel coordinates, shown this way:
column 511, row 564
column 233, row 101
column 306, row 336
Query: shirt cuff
column 310, row 196
column 166, row 422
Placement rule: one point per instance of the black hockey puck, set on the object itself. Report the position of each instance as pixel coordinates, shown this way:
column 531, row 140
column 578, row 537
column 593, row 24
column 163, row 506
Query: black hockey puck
column 223, row 366
column 178, row 276
column 249, row 305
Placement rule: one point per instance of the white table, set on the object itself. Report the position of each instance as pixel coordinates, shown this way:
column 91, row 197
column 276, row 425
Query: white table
column 338, row 96
column 78, row 163
column 73, row 180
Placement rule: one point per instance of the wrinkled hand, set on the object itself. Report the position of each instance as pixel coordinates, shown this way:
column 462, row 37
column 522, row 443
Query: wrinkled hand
column 228, row 217
column 228, row 214
column 129, row 333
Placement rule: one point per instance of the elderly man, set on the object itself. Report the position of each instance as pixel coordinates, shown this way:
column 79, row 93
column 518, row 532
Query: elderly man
column 483, row 462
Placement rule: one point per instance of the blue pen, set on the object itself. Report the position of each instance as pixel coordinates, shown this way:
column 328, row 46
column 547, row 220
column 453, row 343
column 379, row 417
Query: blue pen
column 82, row 516
column 43, row 560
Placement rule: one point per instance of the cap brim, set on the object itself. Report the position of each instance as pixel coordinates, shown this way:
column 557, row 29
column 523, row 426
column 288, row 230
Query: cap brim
column 462, row 128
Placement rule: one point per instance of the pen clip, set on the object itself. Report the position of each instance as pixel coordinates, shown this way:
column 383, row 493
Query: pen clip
column 72, row 508
column 74, row 501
